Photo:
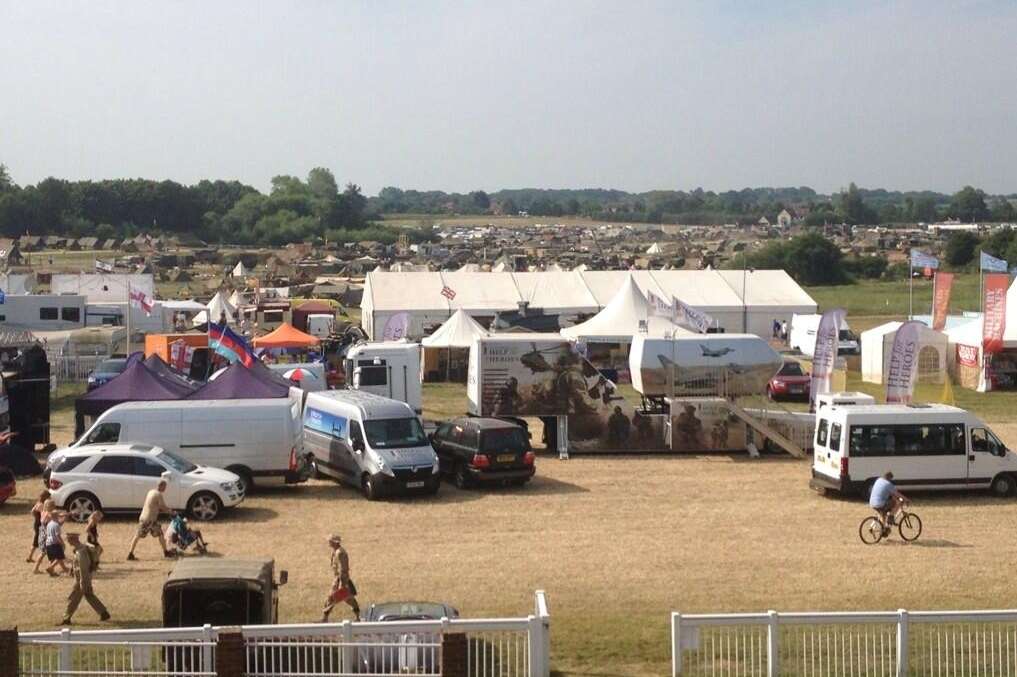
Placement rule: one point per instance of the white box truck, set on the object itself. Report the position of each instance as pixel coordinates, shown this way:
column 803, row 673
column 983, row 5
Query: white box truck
column 802, row 336
column 386, row 368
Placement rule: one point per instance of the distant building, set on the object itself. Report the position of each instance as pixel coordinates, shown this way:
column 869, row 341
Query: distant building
column 785, row 218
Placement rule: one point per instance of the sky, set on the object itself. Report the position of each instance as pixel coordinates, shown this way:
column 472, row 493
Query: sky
column 461, row 96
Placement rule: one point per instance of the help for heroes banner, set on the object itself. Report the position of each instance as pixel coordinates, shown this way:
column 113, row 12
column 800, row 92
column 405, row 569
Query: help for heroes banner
column 941, row 300
column 903, row 365
column 827, row 342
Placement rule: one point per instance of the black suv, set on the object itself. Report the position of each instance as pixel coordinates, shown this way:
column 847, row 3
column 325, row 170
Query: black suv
column 484, row 450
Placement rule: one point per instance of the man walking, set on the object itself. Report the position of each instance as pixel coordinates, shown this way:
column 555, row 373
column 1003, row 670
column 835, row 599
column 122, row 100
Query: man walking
column 148, row 523
column 84, row 561
column 343, row 589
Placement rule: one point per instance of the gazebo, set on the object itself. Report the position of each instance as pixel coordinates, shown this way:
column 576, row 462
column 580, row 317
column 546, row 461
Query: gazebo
column 456, row 334
column 286, row 336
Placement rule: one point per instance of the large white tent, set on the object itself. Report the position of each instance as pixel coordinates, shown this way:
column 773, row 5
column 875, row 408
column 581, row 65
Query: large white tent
column 877, row 344
column 769, row 295
column 215, row 309
column 627, row 314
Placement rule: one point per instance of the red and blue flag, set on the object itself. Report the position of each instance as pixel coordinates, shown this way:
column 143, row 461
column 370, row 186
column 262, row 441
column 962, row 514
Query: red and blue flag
column 229, row 344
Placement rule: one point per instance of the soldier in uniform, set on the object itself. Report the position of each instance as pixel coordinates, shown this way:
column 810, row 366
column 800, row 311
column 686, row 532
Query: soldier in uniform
column 343, row 589
column 84, row 563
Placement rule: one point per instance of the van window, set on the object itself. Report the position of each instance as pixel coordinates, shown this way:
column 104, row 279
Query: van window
column 69, row 314
column 372, row 374
column 835, row 437
column 983, row 440
column 48, row 313
column 821, row 432
column 356, row 435
column 104, row 433
column 395, row 433
column 907, row 440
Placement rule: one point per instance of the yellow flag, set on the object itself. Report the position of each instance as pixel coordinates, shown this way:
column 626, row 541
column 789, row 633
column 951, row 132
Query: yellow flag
column 947, row 396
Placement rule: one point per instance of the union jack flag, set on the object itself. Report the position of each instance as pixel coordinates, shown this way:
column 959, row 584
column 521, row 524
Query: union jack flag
column 448, row 292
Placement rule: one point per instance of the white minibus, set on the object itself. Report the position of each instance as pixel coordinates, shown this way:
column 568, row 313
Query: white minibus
column 925, row 446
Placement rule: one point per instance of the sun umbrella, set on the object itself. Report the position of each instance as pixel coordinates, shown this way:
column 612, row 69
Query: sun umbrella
column 298, row 374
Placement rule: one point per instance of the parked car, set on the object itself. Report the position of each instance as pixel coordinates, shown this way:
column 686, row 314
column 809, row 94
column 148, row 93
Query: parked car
column 473, row 450
column 8, row 484
column 790, row 383
column 116, row 478
column 406, row 652
column 106, row 372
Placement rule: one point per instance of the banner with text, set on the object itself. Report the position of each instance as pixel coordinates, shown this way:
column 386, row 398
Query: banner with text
column 941, row 300
column 825, row 356
column 687, row 316
column 900, row 374
column 994, row 312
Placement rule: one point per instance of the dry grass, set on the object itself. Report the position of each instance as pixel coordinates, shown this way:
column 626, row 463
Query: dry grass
column 617, row 542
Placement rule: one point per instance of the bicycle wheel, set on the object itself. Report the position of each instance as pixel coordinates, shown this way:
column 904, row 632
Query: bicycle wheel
column 910, row 526
column 870, row 530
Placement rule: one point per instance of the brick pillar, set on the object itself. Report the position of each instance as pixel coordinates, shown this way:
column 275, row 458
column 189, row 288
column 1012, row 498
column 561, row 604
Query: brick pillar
column 454, row 661
column 230, row 654
column 9, row 651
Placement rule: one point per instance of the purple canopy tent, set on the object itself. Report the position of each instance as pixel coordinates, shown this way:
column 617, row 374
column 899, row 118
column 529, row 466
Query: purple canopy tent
column 244, row 383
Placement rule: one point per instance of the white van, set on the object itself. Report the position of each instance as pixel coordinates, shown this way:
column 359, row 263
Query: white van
column 802, row 335
column 370, row 442
column 259, row 439
column 386, row 368
column 925, row 446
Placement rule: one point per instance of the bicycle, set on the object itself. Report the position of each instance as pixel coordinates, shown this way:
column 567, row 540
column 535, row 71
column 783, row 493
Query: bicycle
column 872, row 531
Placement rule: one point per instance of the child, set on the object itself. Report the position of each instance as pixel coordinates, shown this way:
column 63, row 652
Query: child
column 45, row 516
column 37, row 527
column 55, row 544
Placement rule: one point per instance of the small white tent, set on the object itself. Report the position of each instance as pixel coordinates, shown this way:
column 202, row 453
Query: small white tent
column 240, row 270
column 458, row 331
column 654, row 249
column 622, row 317
column 215, row 309
column 877, row 344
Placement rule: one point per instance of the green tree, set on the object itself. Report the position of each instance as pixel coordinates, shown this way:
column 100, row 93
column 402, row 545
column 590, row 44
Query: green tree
column 1004, row 211
column 960, row 248
column 480, row 200
column 6, row 182
column 810, row 259
column 968, row 205
column 852, row 209
column 322, row 185
column 923, row 210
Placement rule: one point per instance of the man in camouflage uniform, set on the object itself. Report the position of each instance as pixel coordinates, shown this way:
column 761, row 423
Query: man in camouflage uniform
column 343, row 589
column 84, row 561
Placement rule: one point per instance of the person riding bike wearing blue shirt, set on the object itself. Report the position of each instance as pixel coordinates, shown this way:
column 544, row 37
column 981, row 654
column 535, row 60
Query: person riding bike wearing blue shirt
column 885, row 499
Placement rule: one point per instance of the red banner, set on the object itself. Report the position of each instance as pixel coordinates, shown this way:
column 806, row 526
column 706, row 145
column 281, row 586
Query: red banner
column 941, row 300
column 994, row 310
column 967, row 356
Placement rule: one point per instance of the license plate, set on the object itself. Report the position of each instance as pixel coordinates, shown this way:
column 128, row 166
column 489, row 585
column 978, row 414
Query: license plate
column 506, row 458
column 414, row 485
column 796, row 389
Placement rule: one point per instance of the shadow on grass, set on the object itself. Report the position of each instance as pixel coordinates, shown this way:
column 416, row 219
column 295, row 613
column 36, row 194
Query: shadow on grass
column 929, row 543
column 242, row 513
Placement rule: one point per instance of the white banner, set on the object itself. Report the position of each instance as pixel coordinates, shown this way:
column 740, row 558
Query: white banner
column 397, row 327
column 687, row 316
column 903, row 365
column 825, row 356
column 658, row 306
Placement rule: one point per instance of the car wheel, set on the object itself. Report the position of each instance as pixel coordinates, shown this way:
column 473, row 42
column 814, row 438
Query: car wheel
column 462, row 476
column 370, row 488
column 1003, row 485
column 204, row 506
column 81, row 506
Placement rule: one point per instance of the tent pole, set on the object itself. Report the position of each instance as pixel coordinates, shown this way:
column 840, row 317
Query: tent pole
column 911, row 289
column 127, row 315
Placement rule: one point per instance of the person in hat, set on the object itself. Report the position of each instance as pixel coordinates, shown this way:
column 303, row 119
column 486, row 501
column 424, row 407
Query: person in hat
column 343, row 589
column 84, row 561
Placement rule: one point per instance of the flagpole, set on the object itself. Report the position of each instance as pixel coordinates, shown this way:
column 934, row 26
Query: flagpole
column 935, row 281
column 128, row 316
column 911, row 287
column 981, row 281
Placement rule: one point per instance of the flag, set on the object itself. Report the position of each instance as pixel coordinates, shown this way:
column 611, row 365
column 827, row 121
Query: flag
column 688, row 316
column 941, row 300
column 181, row 356
column 448, row 292
column 903, row 365
column 994, row 312
column 227, row 343
column 920, row 259
column 658, row 306
column 396, row 327
column 103, row 266
column 825, row 355
column 989, row 263
column 140, row 300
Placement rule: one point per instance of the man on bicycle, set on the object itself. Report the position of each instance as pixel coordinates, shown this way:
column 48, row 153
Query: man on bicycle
column 885, row 498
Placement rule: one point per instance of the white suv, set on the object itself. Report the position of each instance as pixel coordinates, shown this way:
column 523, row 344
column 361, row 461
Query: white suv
column 117, row 478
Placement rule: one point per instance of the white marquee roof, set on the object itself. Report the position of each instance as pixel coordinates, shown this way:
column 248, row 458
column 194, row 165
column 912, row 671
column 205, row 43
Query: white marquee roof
column 458, row 331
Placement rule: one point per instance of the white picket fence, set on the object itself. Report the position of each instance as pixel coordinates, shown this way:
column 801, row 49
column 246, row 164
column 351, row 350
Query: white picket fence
column 494, row 647
column 877, row 644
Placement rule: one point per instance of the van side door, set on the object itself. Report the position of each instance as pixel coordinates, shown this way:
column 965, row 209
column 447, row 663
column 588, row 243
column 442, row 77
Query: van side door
column 986, row 456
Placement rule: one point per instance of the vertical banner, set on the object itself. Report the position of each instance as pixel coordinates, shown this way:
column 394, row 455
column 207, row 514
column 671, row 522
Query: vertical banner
column 994, row 305
column 658, row 306
column 397, row 327
column 827, row 342
column 690, row 317
column 903, row 364
column 941, row 300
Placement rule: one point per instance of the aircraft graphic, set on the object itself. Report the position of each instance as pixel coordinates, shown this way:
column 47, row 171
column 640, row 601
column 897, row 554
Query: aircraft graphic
column 720, row 352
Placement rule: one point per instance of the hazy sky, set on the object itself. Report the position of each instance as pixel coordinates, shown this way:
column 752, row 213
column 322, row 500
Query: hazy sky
column 460, row 96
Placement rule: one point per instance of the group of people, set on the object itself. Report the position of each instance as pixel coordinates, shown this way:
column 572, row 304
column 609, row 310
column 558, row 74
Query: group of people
column 50, row 542
column 780, row 330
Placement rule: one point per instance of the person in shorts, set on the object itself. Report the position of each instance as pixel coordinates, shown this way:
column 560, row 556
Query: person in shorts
column 55, row 544
column 148, row 522
column 343, row 589
column 37, row 529
column 885, row 499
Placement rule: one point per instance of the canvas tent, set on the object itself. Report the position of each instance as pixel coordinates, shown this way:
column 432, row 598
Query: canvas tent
column 627, row 314
column 769, row 295
column 137, row 383
column 968, row 363
column 239, row 382
column 239, row 270
column 286, row 336
column 308, row 308
column 447, row 349
column 877, row 344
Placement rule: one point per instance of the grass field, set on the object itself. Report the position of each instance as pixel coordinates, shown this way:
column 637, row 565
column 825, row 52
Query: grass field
column 618, row 542
column 890, row 298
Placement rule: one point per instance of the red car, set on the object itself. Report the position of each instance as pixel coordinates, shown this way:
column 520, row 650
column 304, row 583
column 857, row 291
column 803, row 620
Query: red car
column 790, row 383
column 8, row 485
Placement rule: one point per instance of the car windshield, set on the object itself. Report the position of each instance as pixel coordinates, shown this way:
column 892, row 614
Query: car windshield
column 114, row 366
column 503, row 439
column 409, row 611
column 392, row 433
column 847, row 335
column 791, row 369
column 173, row 461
